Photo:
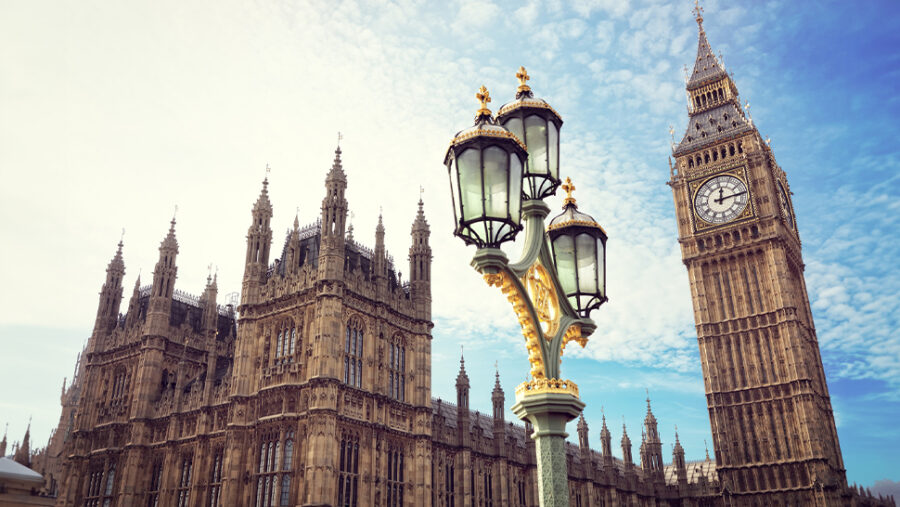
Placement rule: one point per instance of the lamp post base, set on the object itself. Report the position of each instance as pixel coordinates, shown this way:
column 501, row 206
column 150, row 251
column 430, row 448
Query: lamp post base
column 549, row 413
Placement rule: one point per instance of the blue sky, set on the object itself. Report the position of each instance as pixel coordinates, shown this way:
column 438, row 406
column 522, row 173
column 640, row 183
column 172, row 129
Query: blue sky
column 113, row 114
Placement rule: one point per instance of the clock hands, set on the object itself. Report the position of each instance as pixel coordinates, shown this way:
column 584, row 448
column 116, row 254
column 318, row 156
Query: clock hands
column 721, row 199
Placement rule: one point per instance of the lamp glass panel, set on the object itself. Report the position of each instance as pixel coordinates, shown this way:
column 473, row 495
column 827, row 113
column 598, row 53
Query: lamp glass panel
column 514, row 125
column 553, row 149
column 515, row 188
column 601, row 266
column 469, row 166
column 536, row 135
column 586, row 247
column 564, row 253
column 454, row 189
column 496, row 182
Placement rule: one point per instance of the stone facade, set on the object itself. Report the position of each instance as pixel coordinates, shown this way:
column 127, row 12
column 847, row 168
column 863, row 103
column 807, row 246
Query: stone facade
column 315, row 390
column 772, row 423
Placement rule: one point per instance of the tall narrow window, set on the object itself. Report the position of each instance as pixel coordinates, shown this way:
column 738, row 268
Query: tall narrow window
column 284, row 343
column 395, row 477
column 349, row 471
column 184, row 481
column 449, row 483
column 153, row 489
column 215, row 479
column 353, row 347
column 396, row 369
column 267, row 492
column 108, row 488
column 521, row 489
column 95, row 487
column 488, row 488
column 287, row 466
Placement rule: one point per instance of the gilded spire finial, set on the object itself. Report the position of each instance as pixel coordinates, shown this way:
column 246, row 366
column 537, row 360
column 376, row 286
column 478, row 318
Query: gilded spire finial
column 523, row 77
column 698, row 13
column 569, row 187
column 484, row 96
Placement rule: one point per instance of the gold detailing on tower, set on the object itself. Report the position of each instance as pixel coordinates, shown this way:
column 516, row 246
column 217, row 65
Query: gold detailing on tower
column 516, row 104
column 523, row 77
column 698, row 12
column 489, row 132
column 484, row 96
column 573, row 334
column 546, row 385
column 569, row 187
column 503, row 281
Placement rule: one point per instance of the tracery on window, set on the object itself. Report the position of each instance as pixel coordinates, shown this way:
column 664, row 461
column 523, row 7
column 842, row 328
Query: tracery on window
column 286, row 342
column 397, row 369
column 183, row 493
column 353, row 351
column 395, row 476
column 348, row 478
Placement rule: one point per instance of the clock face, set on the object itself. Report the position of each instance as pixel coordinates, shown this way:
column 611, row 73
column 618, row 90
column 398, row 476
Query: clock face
column 785, row 207
column 721, row 199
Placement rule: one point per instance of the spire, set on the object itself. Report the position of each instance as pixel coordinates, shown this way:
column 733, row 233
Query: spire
column 170, row 242
column 626, row 445
column 337, row 167
column 605, row 438
column 462, row 384
column 583, row 433
column 23, row 452
column 3, row 442
column 707, row 449
column 706, row 67
column 497, row 397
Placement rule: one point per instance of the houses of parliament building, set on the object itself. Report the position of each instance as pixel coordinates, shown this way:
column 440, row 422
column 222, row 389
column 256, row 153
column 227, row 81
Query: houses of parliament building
column 316, row 389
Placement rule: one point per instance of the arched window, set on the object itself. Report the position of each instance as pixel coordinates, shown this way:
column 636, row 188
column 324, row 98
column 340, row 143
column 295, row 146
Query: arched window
column 397, row 369
column 395, row 476
column 215, row 479
column 273, row 481
column 353, row 349
column 348, row 478
column 285, row 342
column 183, row 492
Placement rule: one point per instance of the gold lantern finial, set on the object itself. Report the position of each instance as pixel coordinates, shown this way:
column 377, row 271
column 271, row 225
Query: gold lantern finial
column 484, row 96
column 698, row 12
column 569, row 187
column 523, row 77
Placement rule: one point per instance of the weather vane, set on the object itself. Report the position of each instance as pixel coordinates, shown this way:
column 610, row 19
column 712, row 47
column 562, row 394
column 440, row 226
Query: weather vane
column 340, row 137
column 698, row 11
column 421, row 191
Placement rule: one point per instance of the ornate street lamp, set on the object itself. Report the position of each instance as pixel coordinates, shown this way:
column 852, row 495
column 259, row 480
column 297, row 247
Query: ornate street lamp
column 561, row 275
column 578, row 244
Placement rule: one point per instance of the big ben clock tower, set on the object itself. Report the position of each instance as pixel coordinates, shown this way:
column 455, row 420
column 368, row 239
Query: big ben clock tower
column 772, row 422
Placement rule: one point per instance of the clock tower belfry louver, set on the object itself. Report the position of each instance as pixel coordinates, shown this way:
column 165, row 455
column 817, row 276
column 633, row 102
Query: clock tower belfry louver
column 772, row 422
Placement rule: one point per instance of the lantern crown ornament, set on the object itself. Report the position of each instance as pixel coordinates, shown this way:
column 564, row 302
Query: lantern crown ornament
column 484, row 163
column 578, row 246
column 537, row 124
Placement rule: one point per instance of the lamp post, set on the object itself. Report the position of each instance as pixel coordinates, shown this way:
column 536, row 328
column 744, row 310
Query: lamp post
column 500, row 171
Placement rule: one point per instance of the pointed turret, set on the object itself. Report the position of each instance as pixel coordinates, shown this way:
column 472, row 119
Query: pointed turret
column 379, row 261
column 462, row 385
column 606, row 444
column 420, row 265
column 134, row 303
column 626, row 448
column 210, row 308
column 651, row 446
column 714, row 105
column 497, row 398
column 23, row 451
column 3, row 442
column 334, row 217
column 259, row 241
column 678, row 461
column 110, row 294
column 462, row 402
column 583, row 440
column 164, row 275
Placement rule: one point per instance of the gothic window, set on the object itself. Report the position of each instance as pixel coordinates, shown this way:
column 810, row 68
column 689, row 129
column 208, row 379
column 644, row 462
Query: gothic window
column 488, row 488
column 353, row 347
column 215, row 479
column 521, row 491
column 155, row 480
column 183, row 492
column 267, row 478
column 95, row 485
column 100, row 486
column 285, row 342
column 395, row 477
column 349, row 471
column 449, row 479
column 287, row 464
column 396, row 369
column 120, row 385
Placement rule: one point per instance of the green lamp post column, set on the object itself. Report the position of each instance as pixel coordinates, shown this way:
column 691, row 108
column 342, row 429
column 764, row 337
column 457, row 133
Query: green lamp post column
column 498, row 186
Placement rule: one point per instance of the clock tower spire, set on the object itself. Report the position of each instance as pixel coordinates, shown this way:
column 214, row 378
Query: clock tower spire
column 772, row 423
